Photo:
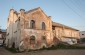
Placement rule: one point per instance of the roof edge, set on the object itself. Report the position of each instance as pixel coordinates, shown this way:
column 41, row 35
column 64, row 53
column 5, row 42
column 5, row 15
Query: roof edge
column 62, row 25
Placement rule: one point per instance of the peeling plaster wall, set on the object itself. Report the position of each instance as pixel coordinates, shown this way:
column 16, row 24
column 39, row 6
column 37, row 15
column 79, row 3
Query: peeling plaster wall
column 38, row 38
column 19, row 32
column 12, row 30
column 63, row 33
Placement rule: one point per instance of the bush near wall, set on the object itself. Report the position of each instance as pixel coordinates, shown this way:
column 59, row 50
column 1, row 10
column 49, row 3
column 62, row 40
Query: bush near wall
column 64, row 46
column 82, row 40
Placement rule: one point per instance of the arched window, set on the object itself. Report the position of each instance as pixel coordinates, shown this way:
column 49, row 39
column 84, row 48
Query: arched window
column 32, row 40
column 43, row 26
column 32, row 24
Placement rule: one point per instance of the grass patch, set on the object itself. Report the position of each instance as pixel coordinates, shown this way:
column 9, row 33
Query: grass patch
column 13, row 50
column 63, row 46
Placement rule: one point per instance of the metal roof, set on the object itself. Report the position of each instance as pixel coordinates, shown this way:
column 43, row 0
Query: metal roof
column 62, row 25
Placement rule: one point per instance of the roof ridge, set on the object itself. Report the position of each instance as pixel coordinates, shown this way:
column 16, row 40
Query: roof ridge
column 63, row 25
column 32, row 9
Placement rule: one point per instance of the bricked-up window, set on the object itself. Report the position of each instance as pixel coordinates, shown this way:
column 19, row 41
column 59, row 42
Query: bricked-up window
column 32, row 24
column 32, row 40
column 43, row 26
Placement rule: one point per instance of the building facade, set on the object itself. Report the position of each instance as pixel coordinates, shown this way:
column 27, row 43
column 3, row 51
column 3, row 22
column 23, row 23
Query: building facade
column 65, row 33
column 82, row 36
column 2, row 36
column 34, row 29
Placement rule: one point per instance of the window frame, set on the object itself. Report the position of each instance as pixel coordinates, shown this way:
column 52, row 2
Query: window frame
column 43, row 26
column 32, row 24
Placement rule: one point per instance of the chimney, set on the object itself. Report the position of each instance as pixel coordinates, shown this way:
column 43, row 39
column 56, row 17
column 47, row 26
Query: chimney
column 11, row 10
column 22, row 11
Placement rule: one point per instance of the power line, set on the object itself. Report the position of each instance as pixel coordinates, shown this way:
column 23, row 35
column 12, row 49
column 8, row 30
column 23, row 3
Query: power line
column 82, row 2
column 78, row 26
column 76, row 5
column 79, row 5
column 72, row 9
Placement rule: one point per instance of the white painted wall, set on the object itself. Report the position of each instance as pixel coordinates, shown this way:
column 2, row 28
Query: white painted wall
column 69, row 41
column 82, row 34
column 0, row 35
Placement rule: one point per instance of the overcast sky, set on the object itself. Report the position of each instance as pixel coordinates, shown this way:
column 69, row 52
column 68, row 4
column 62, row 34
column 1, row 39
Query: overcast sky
column 68, row 12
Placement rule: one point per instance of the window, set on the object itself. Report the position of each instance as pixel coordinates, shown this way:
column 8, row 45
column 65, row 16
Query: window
column 32, row 40
column 82, row 34
column 43, row 26
column 32, row 24
column 53, row 27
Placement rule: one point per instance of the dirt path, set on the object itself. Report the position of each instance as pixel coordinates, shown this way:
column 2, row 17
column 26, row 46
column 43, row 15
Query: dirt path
column 46, row 52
